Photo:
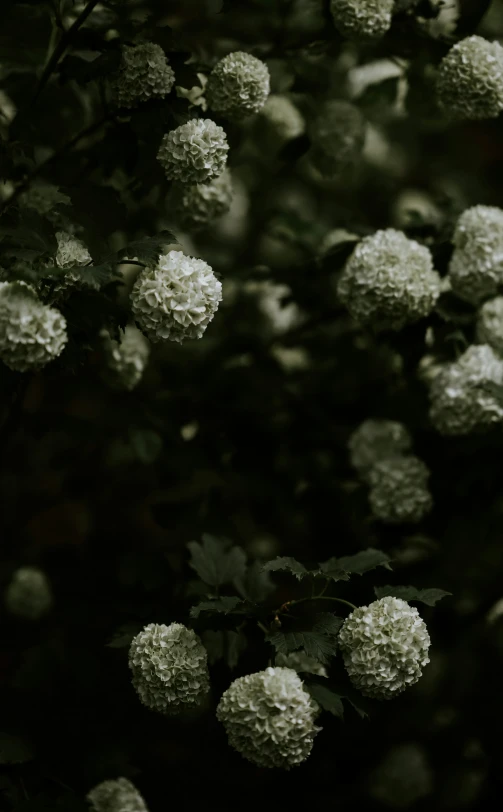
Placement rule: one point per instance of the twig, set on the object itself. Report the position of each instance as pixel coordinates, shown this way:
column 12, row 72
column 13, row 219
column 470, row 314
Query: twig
column 286, row 606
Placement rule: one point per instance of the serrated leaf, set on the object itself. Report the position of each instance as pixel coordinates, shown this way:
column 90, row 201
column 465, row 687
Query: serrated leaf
column 14, row 749
column 409, row 593
column 326, row 699
column 215, row 561
column 255, row 585
column 216, row 606
column 333, row 570
column 148, row 249
column 365, row 561
column 286, row 564
column 319, row 642
column 93, row 276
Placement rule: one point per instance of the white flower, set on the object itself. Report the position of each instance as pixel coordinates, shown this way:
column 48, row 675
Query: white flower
column 470, row 79
column 45, row 199
column 385, row 647
column 169, row 666
column 300, row 661
column 490, row 324
column 116, row 796
column 144, row 73
column 195, row 152
column 177, row 299
column 28, row 594
column 337, row 137
column 402, row 778
column 269, row 718
column 31, row 333
column 198, row 205
column 70, row 254
column 126, row 360
column 376, row 440
column 238, row 85
column 461, row 400
column 389, row 281
column 283, row 117
column 476, row 267
column 362, row 19
column 399, row 490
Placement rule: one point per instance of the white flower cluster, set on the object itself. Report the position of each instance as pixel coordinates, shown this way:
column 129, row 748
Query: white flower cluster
column 377, row 440
column 177, row 299
column 119, row 795
column 461, row 400
column 470, row 79
column 45, row 198
column 144, row 73
column 198, row 205
column 385, row 647
column 269, row 718
column 169, row 666
column 402, row 778
column 490, row 324
column 125, row 360
column 399, row 490
column 337, row 138
column 362, row 19
column 238, row 85
column 389, row 281
column 28, row 594
column 476, row 267
column 301, row 662
column 195, row 152
column 283, row 117
column 70, row 254
column 31, row 333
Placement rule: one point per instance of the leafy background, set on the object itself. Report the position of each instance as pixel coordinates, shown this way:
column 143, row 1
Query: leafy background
column 224, row 437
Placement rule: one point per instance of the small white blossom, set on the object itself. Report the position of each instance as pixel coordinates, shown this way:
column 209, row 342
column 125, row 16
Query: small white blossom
column 476, row 266
column 177, row 299
column 116, row 796
column 376, row 440
column 125, row 360
column 198, row 205
column 144, row 73
column 238, row 85
column 470, row 79
column 195, row 152
column 269, row 718
column 399, row 490
column 337, row 137
column 28, row 594
column 490, row 324
column 169, row 667
column 385, row 647
column 362, row 19
column 283, row 117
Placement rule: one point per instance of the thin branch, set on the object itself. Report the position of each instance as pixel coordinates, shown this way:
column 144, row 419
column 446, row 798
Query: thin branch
column 286, row 606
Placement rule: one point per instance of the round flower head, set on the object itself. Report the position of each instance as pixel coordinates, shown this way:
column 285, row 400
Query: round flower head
column 389, row 281
column 31, row 333
column 169, row 666
column 385, row 647
column 490, row 324
column 144, row 73
column 337, row 137
column 476, row 267
column 45, row 199
column 126, row 360
column 282, row 117
column 460, row 395
column 376, row 440
column 362, row 19
column 238, row 85
column 269, row 718
column 195, row 152
column 177, row 299
column 116, row 796
column 71, row 253
column 197, row 206
column 301, row 662
column 470, row 79
column 28, row 594
column 402, row 778
column 399, row 490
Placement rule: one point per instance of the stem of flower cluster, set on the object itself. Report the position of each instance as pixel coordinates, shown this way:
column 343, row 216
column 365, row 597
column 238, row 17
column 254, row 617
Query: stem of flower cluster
column 286, row 606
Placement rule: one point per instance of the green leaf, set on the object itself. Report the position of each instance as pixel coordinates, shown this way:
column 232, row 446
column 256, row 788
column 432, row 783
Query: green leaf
column 123, row 635
column 14, row 749
column 286, row 564
column 94, row 276
column 326, row 699
column 148, row 249
column 215, row 606
column 365, row 561
column 215, row 561
column 224, row 645
column 333, row 570
column 255, row 585
column 146, row 444
column 319, row 642
column 409, row 593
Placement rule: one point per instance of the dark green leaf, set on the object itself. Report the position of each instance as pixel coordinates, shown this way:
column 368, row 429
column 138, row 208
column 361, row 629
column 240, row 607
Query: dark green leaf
column 365, row 561
column 14, row 749
column 215, row 561
column 409, row 593
column 123, row 636
column 286, row 564
column 224, row 645
column 255, row 585
column 215, row 606
column 326, row 699
column 319, row 642
column 148, row 249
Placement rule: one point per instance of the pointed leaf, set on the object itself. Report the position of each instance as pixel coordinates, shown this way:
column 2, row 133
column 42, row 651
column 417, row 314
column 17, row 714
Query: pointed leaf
column 365, row 561
column 255, row 585
column 286, row 564
column 215, row 562
column 148, row 249
column 409, row 593
column 224, row 605
column 326, row 699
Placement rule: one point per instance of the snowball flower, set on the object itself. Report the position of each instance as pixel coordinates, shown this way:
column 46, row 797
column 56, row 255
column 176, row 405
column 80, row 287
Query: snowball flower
column 362, row 19
column 402, row 778
column 125, row 360
column 198, row 205
column 238, row 85
column 476, row 266
column 195, row 152
column 169, row 667
column 144, row 73
column 269, row 718
column 337, row 137
column 389, row 281
column 470, row 79
column 385, row 647
column 490, row 324
column 376, row 440
column 460, row 395
column 31, row 333
column 28, row 594
column 399, row 490
column 45, row 199
column 116, row 796
column 176, row 299
column 300, row 661
column 283, row 117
